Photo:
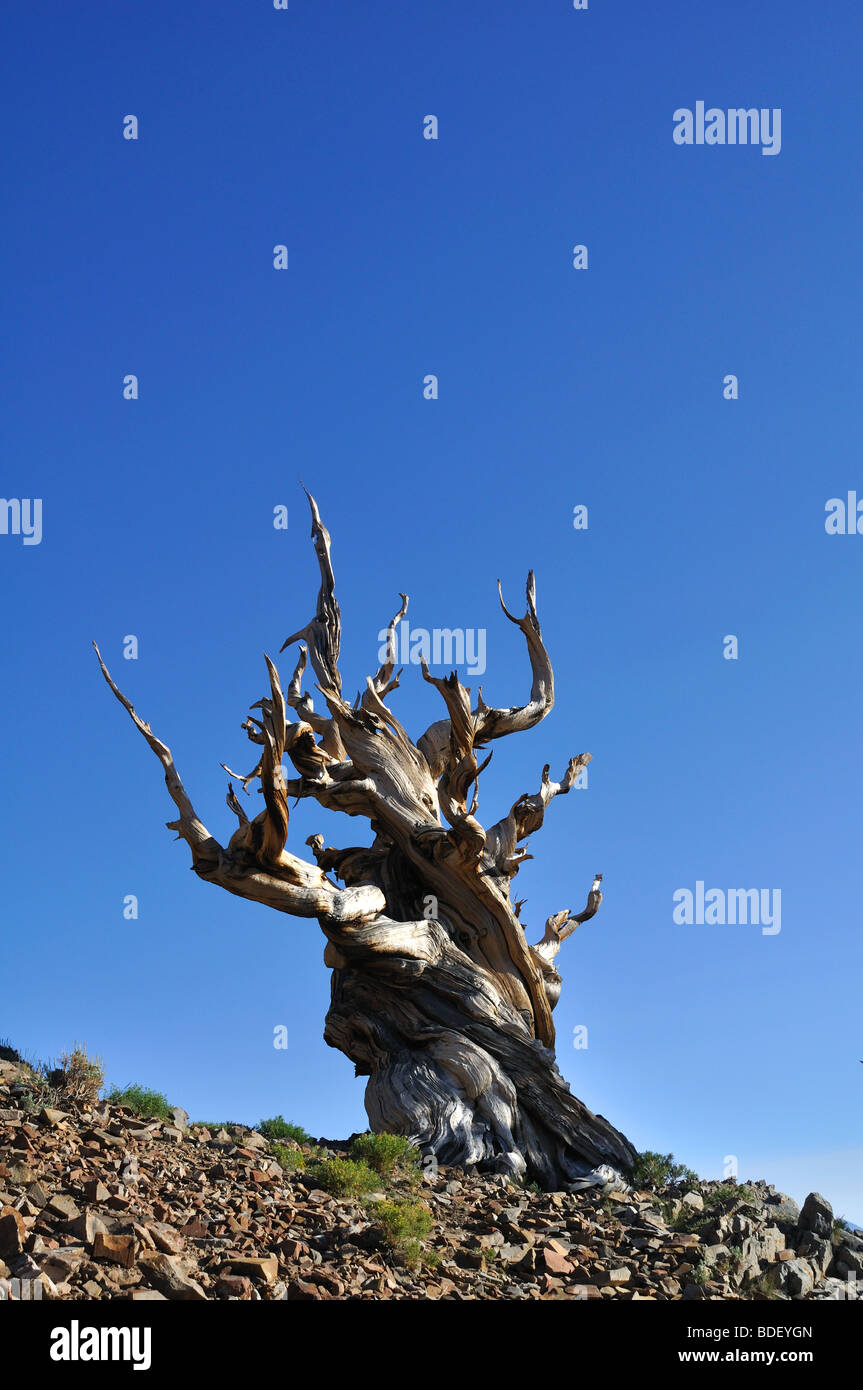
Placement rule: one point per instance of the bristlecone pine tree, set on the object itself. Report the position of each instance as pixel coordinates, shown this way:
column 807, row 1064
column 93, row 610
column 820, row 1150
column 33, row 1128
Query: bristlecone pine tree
column 437, row 997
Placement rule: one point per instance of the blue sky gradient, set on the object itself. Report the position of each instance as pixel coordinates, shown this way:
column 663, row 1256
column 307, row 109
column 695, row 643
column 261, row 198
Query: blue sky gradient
column 557, row 387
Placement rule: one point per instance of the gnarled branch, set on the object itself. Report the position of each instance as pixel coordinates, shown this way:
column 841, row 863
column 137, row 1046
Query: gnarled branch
column 291, row 885
column 526, row 816
column 323, row 633
column 489, row 722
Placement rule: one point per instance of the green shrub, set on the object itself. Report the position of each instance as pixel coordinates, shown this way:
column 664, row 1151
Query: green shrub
column 279, row 1128
column 728, row 1192
column 700, row 1274
column 384, row 1152
column 288, row 1159
column 686, row 1220
column 343, row 1177
column 660, row 1170
column 405, row 1225
column 149, row 1105
column 7, row 1052
column 403, row 1220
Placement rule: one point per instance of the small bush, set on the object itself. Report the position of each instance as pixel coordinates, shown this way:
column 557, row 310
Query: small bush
column 728, row 1192
column 279, row 1128
column 660, row 1170
column 405, row 1225
column 149, row 1105
column 288, row 1159
column 343, row 1177
column 79, row 1078
column 7, row 1052
column 384, row 1152
column 403, row 1220
column 700, row 1274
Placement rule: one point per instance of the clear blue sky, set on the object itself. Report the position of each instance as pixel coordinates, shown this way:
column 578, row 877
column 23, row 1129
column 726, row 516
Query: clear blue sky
column 557, row 387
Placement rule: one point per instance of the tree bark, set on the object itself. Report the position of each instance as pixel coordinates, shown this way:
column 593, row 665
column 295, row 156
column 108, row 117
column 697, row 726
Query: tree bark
column 437, row 997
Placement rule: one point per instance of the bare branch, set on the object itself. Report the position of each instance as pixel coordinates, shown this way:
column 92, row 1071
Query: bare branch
column 490, row 723
column 382, row 682
column 290, row 885
column 461, row 773
column 324, row 633
column 526, row 816
column 563, row 924
column 189, row 828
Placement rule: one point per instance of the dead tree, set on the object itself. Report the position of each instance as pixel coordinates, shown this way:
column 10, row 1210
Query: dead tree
column 437, row 997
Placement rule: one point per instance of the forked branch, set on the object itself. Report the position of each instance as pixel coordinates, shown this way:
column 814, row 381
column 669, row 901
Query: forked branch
column 287, row 884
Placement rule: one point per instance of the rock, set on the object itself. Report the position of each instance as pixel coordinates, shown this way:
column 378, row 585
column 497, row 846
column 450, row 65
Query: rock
column 817, row 1216
column 513, row 1254
column 60, row 1265
column 782, row 1210
column 167, row 1239
column 12, row 1232
column 86, row 1227
column 259, row 1144
column 103, row 1140
column 762, row 1247
column 52, row 1118
column 233, row 1286
column 180, row 1117
column 839, row 1290
column 621, row 1275
column 262, row 1269
column 118, row 1249
column 63, row 1206
column 796, row 1278
column 817, row 1250
column 851, row 1258
column 469, row 1259
column 95, row 1191
column 685, row 1240
column 693, row 1200
column 170, row 1277
column 300, row 1289
column 147, row 1296
column 556, row 1263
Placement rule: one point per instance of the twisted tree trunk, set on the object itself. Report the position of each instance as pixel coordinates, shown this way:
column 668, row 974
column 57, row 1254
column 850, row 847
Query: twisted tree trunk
column 436, row 995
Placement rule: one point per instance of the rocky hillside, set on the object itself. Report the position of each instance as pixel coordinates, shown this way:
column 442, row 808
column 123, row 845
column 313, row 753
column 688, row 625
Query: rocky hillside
column 98, row 1203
